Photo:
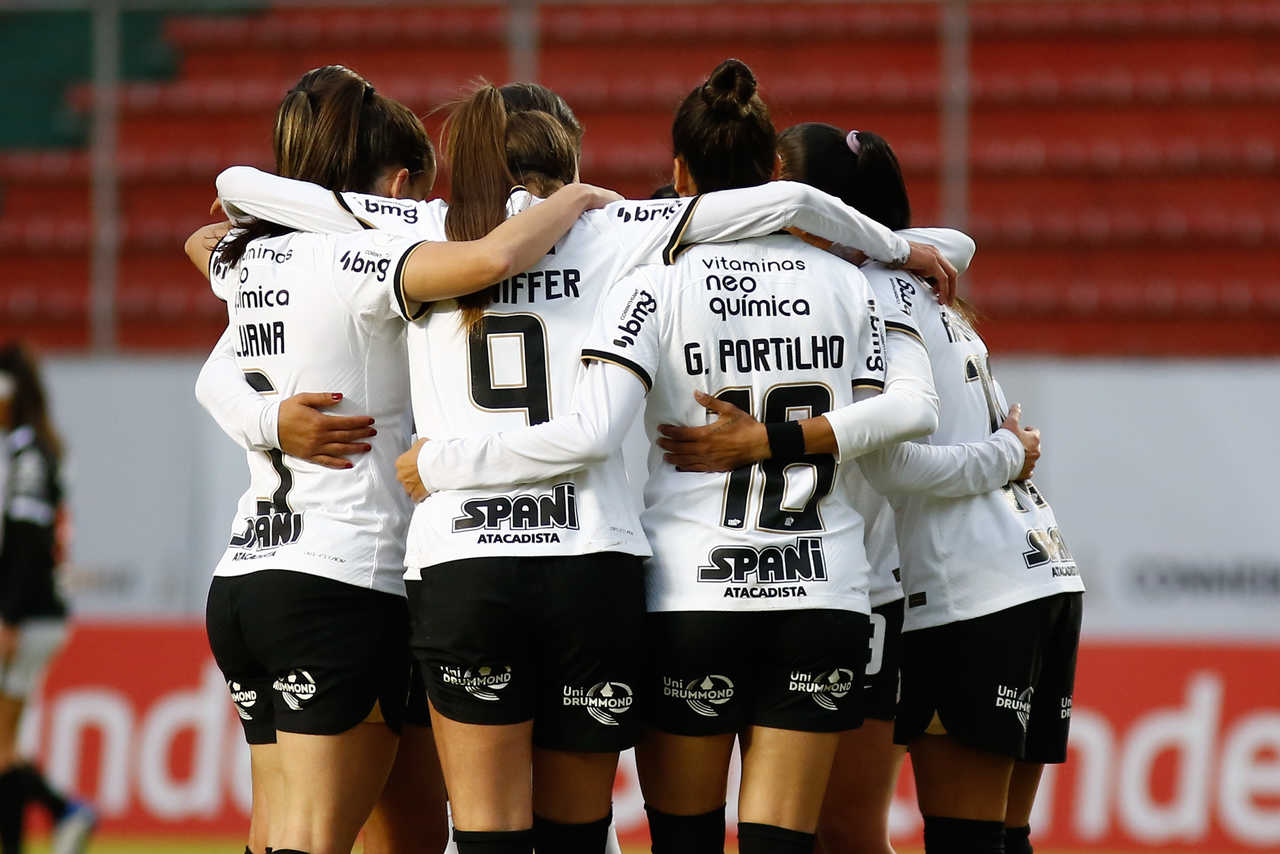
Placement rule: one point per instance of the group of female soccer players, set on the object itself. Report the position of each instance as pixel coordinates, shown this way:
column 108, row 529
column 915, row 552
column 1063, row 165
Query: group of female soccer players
column 793, row 556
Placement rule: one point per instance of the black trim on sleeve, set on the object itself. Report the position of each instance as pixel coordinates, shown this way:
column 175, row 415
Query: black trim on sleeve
column 868, row 382
column 364, row 223
column 397, row 285
column 905, row 329
column 622, row 362
column 673, row 249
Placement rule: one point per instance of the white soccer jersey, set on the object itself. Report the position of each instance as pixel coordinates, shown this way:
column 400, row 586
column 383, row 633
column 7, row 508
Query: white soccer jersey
column 779, row 329
column 963, row 557
column 517, row 368
column 310, row 312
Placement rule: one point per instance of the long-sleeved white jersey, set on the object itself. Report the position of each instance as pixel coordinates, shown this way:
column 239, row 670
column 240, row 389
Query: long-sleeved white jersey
column 964, row 555
column 520, row 362
column 308, row 311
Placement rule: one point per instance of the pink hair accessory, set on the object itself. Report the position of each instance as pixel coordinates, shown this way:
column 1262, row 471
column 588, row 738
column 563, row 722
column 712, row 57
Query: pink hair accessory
column 852, row 141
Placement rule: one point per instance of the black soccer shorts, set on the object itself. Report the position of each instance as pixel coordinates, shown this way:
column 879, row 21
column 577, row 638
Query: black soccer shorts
column 307, row 654
column 883, row 680
column 1001, row 682
column 556, row 640
column 716, row 672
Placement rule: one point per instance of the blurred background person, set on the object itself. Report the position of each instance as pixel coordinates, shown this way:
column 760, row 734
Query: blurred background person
column 33, row 615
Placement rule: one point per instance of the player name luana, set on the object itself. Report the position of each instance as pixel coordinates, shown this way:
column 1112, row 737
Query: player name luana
column 261, row 339
column 538, row 286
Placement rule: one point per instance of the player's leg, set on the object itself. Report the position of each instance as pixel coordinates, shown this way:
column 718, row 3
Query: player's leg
column 250, row 689
column 1023, row 784
column 471, row 638
column 330, row 785
column 966, row 689
column 808, row 692
column 338, row 659
column 267, row 781
column 855, row 812
column 684, row 780
column 589, row 671
column 697, row 693
column 411, row 816
column 1050, row 719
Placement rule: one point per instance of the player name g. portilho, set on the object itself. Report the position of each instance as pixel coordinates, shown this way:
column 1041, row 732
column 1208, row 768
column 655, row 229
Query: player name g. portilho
column 526, row 518
column 778, row 567
column 775, row 353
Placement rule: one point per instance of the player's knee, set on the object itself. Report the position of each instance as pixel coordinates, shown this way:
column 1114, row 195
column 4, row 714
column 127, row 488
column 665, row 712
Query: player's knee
column 588, row 838
column 686, row 834
column 962, row 836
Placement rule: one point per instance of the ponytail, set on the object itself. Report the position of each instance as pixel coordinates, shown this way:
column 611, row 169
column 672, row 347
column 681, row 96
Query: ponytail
column 858, row 167
column 723, row 132
column 494, row 142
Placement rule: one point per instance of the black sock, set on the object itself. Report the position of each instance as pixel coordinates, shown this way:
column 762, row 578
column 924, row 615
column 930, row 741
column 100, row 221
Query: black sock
column 37, row 789
column 770, row 839
column 554, row 837
column 13, row 801
column 287, row 851
column 962, row 836
column 492, row 841
column 1017, row 840
column 686, row 834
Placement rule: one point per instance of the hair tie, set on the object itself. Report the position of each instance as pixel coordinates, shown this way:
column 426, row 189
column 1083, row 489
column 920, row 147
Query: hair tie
column 368, row 91
column 851, row 140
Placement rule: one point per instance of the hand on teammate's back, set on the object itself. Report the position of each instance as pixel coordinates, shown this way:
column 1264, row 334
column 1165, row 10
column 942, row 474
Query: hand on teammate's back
column 1029, row 436
column 407, row 472
column 733, row 440
column 309, row 434
column 929, row 263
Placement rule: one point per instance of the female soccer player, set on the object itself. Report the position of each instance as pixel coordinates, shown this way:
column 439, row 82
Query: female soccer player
column 307, row 606
column 502, row 137
column 33, row 617
column 744, row 567
column 973, row 533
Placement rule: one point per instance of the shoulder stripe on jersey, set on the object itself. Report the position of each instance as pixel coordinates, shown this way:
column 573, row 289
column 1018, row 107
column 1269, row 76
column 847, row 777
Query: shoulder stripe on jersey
column 397, row 285
column 673, row 249
column 364, row 223
column 867, row 382
column 895, row 326
column 621, row 362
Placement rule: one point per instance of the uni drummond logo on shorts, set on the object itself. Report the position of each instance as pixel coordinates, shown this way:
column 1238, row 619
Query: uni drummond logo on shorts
column 296, row 688
column 702, row 695
column 1009, row 698
column 483, row 683
column 825, row 688
column 244, row 699
column 604, row 701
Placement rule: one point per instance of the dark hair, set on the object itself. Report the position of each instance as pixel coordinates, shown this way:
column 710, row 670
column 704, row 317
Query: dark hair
column 534, row 97
column 869, row 179
column 335, row 130
column 29, row 406
column 666, row 191
column 723, row 131
column 494, row 143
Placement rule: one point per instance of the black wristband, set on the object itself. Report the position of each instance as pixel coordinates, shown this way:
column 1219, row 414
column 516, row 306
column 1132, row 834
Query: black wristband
column 786, row 440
